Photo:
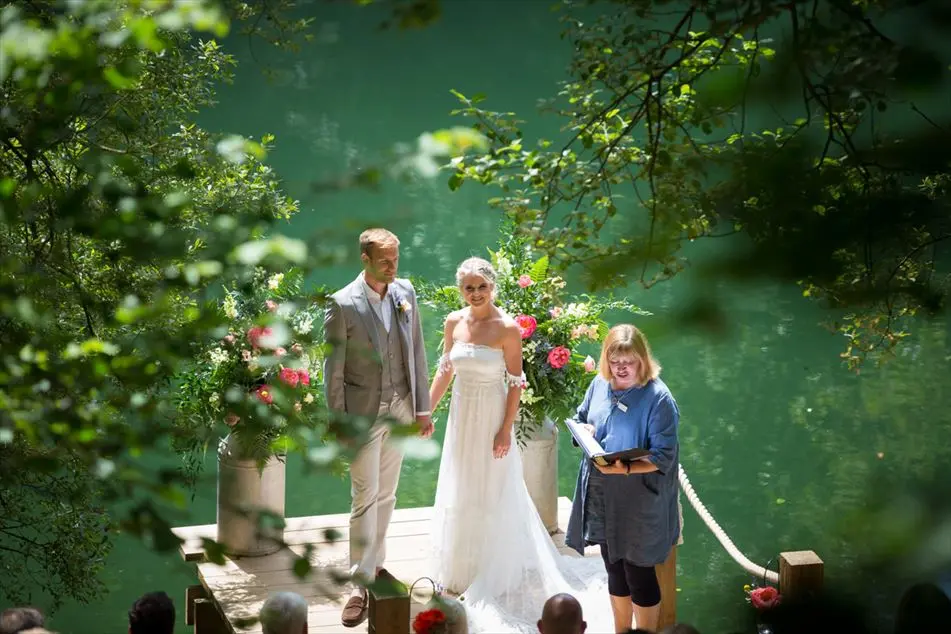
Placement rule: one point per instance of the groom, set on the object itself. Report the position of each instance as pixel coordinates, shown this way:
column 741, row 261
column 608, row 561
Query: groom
column 377, row 369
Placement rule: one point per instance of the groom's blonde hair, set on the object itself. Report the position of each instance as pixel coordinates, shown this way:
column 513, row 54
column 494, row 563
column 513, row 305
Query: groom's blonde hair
column 377, row 237
column 627, row 339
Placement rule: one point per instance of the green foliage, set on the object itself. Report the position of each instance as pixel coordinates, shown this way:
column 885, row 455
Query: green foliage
column 552, row 324
column 257, row 366
column 841, row 188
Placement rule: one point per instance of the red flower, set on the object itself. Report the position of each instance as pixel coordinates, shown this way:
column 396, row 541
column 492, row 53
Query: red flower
column 559, row 357
column 264, row 394
column 765, row 598
column 427, row 622
column 304, row 377
column 255, row 334
column 526, row 325
column 289, row 376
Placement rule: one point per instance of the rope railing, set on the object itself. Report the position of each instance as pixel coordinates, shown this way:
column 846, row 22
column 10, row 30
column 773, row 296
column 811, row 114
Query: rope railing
column 724, row 539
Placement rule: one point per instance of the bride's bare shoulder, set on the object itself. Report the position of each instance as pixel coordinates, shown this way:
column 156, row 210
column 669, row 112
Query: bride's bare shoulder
column 455, row 316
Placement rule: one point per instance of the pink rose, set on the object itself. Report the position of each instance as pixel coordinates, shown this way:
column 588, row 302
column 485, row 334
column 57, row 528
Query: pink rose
column 232, row 419
column 255, row 334
column 263, row 393
column 280, row 352
column 526, row 325
column 559, row 357
column 765, row 598
column 589, row 364
column 525, row 281
column 229, row 339
column 556, row 312
column 304, row 377
column 271, row 305
column 289, row 376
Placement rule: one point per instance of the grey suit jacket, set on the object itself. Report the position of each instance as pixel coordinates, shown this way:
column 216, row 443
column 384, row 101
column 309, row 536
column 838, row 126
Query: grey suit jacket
column 353, row 371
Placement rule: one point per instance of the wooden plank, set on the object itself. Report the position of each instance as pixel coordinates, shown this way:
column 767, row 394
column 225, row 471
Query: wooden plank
column 241, row 585
column 191, row 594
column 191, row 549
column 208, row 620
column 667, row 579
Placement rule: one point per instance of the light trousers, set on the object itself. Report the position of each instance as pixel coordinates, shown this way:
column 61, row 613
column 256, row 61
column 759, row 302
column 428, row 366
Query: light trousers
column 374, row 476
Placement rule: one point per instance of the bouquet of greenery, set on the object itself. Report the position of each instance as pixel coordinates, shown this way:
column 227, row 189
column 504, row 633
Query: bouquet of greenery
column 262, row 373
column 556, row 328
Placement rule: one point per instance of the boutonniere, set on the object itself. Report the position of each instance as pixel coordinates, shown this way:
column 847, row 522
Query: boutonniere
column 404, row 307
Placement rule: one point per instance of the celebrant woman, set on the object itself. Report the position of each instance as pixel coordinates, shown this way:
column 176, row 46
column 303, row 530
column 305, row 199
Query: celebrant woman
column 629, row 509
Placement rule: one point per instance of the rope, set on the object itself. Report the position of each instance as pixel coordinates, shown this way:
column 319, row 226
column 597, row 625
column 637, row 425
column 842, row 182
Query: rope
column 720, row 534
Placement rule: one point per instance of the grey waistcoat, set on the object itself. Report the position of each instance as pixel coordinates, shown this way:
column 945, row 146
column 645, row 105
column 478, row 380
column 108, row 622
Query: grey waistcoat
column 395, row 377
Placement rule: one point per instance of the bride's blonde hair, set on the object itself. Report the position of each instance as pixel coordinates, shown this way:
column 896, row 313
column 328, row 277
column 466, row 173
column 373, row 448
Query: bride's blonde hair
column 479, row 267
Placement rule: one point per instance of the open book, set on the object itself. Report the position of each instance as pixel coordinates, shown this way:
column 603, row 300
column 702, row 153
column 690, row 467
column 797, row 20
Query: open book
column 593, row 450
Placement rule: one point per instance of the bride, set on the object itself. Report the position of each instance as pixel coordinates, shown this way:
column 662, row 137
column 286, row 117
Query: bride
column 489, row 543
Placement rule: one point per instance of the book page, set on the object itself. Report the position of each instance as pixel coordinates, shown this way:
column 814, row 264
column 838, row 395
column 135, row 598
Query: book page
column 585, row 440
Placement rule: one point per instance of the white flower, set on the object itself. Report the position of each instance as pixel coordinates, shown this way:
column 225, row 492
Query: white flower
column 304, row 324
column 214, row 398
column 230, row 307
column 558, row 282
column 577, row 310
column 218, row 356
column 503, row 266
column 275, row 281
column 405, row 307
column 529, row 348
column 308, row 398
column 528, row 396
column 253, row 365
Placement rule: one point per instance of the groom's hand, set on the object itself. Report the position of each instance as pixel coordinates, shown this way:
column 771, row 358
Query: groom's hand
column 426, row 426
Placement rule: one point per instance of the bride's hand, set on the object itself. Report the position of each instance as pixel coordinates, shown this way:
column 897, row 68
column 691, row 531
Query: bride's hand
column 502, row 443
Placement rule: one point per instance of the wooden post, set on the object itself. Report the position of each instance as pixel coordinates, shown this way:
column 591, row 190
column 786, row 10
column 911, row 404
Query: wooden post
column 667, row 578
column 191, row 594
column 208, row 619
column 800, row 574
column 388, row 612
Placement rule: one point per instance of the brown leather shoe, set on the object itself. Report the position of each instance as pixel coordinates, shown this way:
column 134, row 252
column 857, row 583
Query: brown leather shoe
column 355, row 612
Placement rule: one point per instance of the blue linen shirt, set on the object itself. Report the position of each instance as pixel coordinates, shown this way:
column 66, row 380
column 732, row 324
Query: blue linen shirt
column 637, row 517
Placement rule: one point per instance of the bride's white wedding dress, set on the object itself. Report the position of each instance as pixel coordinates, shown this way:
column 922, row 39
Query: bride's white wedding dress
column 489, row 542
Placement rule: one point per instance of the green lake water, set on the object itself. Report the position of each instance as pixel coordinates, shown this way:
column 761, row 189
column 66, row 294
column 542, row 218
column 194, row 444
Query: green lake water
column 783, row 444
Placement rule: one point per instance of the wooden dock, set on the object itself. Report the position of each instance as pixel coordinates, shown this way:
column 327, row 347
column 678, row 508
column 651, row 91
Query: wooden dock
column 233, row 592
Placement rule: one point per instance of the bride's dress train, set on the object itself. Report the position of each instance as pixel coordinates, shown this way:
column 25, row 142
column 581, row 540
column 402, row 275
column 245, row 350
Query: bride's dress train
column 490, row 544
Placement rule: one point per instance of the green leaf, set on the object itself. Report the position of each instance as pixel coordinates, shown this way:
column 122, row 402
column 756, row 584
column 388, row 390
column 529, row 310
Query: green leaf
column 117, row 79
column 455, row 181
column 302, row 567
column 539, row 269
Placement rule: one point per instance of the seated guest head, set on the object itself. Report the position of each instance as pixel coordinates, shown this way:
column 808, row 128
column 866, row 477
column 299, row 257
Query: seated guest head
column 561, row 615
column 16, row 620
column 626, row 358
column 152, row 613
column 284, row 613
column 923, row 608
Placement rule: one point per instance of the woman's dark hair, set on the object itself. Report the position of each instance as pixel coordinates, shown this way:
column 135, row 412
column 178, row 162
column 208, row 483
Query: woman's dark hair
column 152, row 613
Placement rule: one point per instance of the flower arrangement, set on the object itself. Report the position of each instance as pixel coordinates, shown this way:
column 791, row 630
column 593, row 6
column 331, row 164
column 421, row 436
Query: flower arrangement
column 432, row 621
column 559, row 332
column 262, row 372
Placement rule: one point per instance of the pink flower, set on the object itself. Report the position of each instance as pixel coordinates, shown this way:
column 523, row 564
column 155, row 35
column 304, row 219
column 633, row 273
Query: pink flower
column 765, row 598
column 297, row 349
column 289, row 376
column 245, row 355
column 271, row 305
column 589, row 364
column 232, row 419
column 559, row 357
column 526, row 325
column 525, row 281
column 280, row 352
column 229, row 339
column 556, row 312
column 304, row 377
column 255, row 334
column 264, row 395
